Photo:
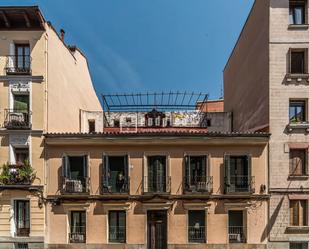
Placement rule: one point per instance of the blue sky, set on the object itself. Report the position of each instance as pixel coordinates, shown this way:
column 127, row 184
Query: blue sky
column 150, row 45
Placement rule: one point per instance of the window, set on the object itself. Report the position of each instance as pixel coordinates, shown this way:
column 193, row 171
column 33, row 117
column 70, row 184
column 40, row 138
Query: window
column 117, row 226
column 78, row 227
column 298, row 162
column 238, row 174
column 91, row 125
column 196, row 226
column 297, row 12
column 237, row 229
column 22, row 217
column 157, row 175
column 298, row 213
column 115, row 175
column 298, row 61
column 297, row 111
column 196, row 179
column 22, row 57
column 75, row 174
column 21, row 156
column 299, row 245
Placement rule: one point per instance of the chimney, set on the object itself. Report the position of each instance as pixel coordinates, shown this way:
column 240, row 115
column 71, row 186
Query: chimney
column 62, row 33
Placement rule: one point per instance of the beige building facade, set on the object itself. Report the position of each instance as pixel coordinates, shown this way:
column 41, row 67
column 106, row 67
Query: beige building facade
column 156, row 190
column 44, row 85
column 271, row 59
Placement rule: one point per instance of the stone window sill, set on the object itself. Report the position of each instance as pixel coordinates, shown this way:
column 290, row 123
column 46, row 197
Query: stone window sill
column 298, row 229
column 297, row 78
column 298, row 26
column 298, row 126
column 299, row 177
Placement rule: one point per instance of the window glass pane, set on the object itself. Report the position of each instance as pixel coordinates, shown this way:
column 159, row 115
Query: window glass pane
column 298, row 161
column 297, row 111
column 298, row 62
column 117, row 226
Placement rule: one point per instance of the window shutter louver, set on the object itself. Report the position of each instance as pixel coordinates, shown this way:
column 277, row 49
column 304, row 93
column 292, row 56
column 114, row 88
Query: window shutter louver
column 227, row 171
column 105, row 171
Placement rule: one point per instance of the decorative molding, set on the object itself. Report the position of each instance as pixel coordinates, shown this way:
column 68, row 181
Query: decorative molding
column 37, row 79
column 196, row 205
column 158, row 205
column 19, row 140
column 76, row 206
column 236, row 206
column 116, row 206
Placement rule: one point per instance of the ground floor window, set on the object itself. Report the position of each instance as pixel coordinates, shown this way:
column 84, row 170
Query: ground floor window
column 117, row 226
column 22, row 217
column 78, row 227
column 196, row 226
column 299, row 245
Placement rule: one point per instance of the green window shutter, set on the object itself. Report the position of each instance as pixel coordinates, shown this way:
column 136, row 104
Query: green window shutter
column 85, row 166
column 227, row 164
column 106, row 172
column 65, row 167
column 187, row 170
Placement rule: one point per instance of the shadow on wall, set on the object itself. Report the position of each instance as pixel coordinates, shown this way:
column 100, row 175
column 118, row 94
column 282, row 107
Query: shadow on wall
column 272, row 220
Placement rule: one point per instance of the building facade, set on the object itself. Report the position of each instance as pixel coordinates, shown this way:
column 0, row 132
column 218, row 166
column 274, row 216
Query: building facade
column 44, row 85
column 156, row 189
column 271, row 59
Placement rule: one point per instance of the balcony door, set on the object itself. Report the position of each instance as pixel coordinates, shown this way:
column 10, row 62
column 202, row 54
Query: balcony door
column 196, row 174
column 22, row 57
column 238, row 173
column 75, row 173
column 237, row 228
column 115, row 175
column 78, row 227
column 22, row 217
column 156, row 174
column 156, row 230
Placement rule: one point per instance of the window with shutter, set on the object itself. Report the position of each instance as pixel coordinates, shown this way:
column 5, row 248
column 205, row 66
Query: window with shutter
column 298, row 213
column 298, row 162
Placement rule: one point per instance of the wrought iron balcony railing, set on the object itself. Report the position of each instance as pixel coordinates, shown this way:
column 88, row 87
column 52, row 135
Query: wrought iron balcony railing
column 18, row 64
column 239, row 184
column 157, row 185
column 78, row 185
column 23, row 232
column 17, row 119
column 78, row 234
column 237, row 234
column 120, row 186
column 196, row 234
column 117, row 234
column 198, row 184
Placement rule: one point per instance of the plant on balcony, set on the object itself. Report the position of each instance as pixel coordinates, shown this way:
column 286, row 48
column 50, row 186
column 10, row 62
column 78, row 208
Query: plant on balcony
column 18, row 174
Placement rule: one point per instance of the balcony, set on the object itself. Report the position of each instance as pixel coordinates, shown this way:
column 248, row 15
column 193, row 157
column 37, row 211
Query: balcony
column 119, row 186
column 78, row 185
column 159, row 185
column 199, row 184
column 237, row 234
column 23, row 232
column 17, row 174
column 196, row 234
column 18, row 65
column 78, row 234
column 117, row 234
column 17, row 119
column 239, row 184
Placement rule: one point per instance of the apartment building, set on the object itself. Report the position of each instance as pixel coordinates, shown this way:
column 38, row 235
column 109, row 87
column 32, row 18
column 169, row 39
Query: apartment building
column 44, row 86
column 156, row 178
column 266, row 88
